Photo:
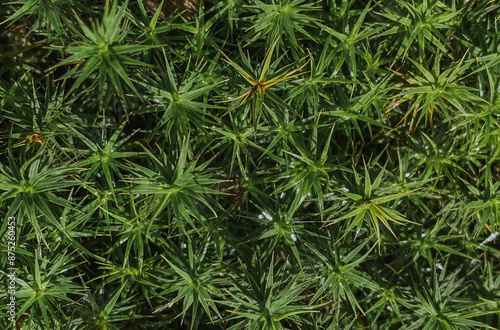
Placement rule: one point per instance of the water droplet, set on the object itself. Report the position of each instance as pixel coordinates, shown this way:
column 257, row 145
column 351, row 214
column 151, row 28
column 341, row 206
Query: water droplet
column 490, row 238
column 267, row 215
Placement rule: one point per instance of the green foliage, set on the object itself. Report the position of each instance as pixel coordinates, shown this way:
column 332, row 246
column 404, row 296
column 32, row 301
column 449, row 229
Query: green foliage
column 267, row 164
column 103, row 49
